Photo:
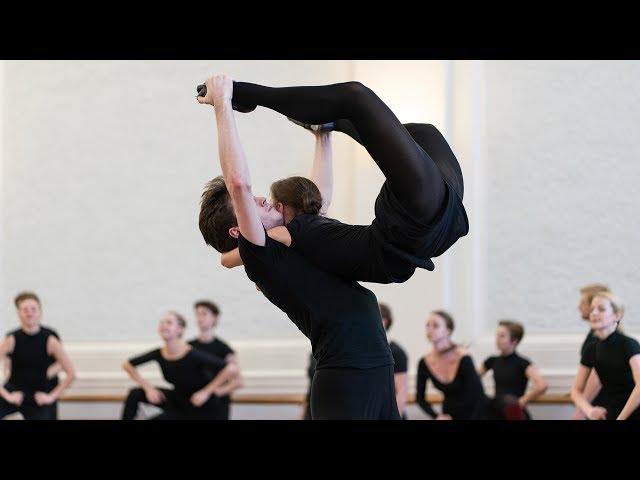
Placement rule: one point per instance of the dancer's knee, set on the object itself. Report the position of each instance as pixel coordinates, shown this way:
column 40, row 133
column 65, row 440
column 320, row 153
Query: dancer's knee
column 358, row 93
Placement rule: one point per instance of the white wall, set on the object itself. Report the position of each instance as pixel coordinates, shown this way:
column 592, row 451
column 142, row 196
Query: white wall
column 103, row 164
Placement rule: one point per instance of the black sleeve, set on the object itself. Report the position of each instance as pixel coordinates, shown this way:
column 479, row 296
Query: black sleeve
column 245, row 247
column 588, row 357
column 488, row 363
column 261, row 262
column 226, row 349
column 467, row 368
column 208, row 360
column 145, row 357
column 400, row 360
column 524, row 363
column 421, row 390
column 631, row 347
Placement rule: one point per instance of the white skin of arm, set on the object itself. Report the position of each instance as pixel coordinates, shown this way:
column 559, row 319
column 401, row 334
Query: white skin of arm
column 235, row 380
column 321, row 174
column 54, row 369
column 590, row 392
column 578, row 397
column 634, row 399
column 322, row 169
column 235, row 169
column 56, row 350
column 214, row 386
column 540, row 385
column 6, row 347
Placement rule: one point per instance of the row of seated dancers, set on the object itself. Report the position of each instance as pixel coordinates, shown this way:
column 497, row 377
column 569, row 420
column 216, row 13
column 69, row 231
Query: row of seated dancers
column 204, row 372
column 606, row 386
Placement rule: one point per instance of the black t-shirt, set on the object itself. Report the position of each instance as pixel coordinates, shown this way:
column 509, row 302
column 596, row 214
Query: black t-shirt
column 399, row 358
column 30, row 361
column 590, row 338
column 610, row 358
column 509, row 374
column 340, row 318
column 216, row 347
column 187, row 374
column 349, row 251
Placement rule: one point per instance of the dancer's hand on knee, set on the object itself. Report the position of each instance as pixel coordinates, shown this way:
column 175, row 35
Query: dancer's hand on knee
column 597, row 413
column 154, row 395
column 14, row 398
column 43, row 398
column 219, row 90
column 200, row 398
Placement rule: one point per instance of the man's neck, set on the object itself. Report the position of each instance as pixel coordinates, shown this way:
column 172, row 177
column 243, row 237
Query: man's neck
column 207, row 336
column 31, row 330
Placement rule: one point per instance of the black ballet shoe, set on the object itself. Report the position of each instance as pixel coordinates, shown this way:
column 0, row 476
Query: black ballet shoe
column 202, row 92
column 325, row 127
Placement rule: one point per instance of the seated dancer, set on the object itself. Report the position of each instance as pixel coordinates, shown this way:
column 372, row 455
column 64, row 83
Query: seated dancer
column 194, row 395
column 511, row 372
column 32, row 350
column 615, row 358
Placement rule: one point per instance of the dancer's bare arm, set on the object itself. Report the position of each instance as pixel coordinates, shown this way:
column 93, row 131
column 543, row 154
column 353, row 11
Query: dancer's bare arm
column 322, row 168
column 235, row 170
column 6, row 347
column 57, row 351
column 578, row 398
column 321, row 174
column 540, row 385
column 634, row 399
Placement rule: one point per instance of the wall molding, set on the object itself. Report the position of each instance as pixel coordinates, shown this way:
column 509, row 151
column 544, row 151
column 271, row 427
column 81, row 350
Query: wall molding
column 278, row 366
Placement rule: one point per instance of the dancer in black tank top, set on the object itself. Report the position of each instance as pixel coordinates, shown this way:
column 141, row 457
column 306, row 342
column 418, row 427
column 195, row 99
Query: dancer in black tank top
column 419, row 212
column 616, row 359
column 354, row 372
column 53, row 369
column 32, row 349
column 207, row 316
column 194, row 394
column 511, row 372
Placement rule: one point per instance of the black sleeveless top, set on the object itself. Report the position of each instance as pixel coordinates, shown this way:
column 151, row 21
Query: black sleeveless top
column 30, row 360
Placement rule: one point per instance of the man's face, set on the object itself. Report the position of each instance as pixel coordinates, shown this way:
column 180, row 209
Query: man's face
column 269, row 215
column 29, row 313
column 206, row 318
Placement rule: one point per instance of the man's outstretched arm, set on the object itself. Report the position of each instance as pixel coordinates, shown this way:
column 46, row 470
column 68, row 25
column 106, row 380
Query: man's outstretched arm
column 235, row 170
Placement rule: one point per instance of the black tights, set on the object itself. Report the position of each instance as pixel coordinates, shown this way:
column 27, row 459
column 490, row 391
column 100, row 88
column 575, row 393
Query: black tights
column 411, row 173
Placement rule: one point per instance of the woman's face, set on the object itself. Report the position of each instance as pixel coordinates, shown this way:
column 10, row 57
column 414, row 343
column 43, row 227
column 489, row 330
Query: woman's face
column 602, row 315
column 437, row 328
column 169, row 328
column 286, row 211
